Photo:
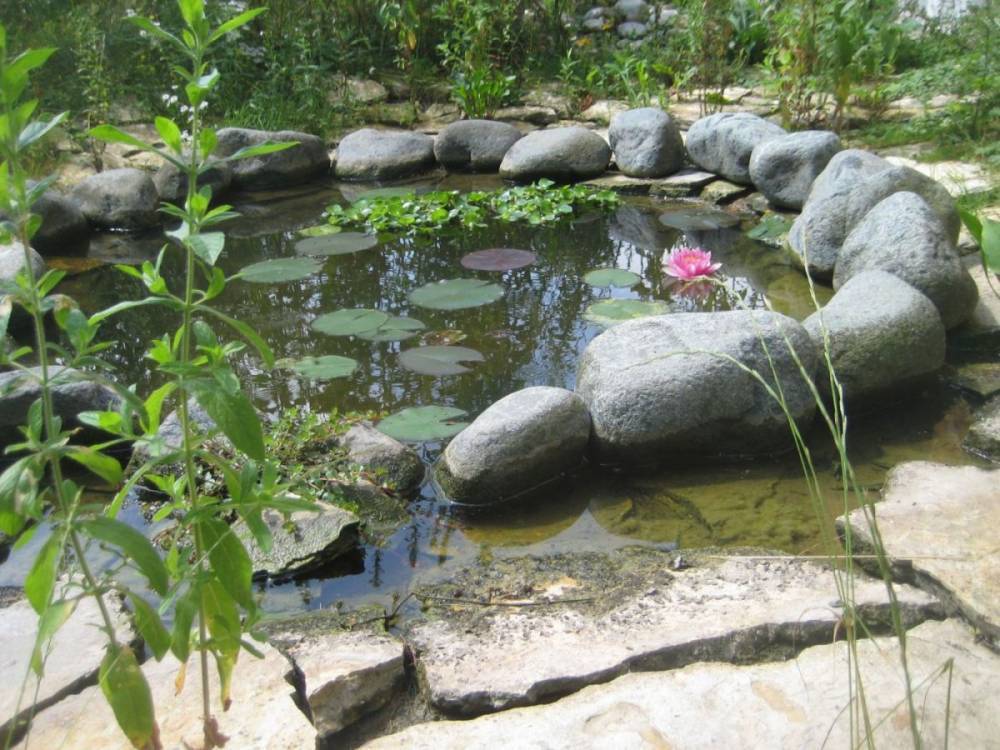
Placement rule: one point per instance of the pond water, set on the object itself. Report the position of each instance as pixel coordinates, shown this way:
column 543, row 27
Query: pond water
column 532, row 336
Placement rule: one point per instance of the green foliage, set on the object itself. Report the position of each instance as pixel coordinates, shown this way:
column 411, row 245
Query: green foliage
column 986, row 232
column 455, row 294
column 480, row 92
column 439, row 360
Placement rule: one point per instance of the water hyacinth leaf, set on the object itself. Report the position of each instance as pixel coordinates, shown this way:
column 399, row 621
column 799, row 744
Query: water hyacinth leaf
column 420, row 423
column 342, row 243
column 327, row 367
column 439, row 360
column 397, row 328
column 611, row 312
column 456, row 294
column 281, row 270
column 127, row 692
column 498, row 259
column 320, row 230
column 616, row 277
column 350, row 322
column 700, row 220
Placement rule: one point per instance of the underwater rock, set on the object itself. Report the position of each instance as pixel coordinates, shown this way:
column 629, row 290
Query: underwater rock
column 661, row 390
column 904, row 236
column 646, row 143
column 722, row 143
column 369, row 154
column 376, row 452
column 303, row 162
column 522, row 441
column 474, row 145
column 883, row 333
column 984, row 434
column 119, row 199
column 565, row 154
column 784, row 168
column 172, row 186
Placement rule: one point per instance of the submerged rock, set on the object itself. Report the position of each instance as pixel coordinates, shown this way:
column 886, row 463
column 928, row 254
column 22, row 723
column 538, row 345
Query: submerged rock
column 565, row 154
column 722, row 143
column 646, row 143
column 984, row 434
column 119, row 199
column 369, row 154
column 784, row 168
column 523, row 440
column 474, row 145
column 883, row 333
column 389, row 459
column 661, row 390
column 301, row 163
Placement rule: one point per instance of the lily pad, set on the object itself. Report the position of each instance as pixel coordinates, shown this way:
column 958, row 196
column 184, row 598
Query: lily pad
column 700, row 220
column 439, row 360
column 351, row 322
column 394, row 329
column 340, row 243
column 420, row 423
column 280, row 270
column 320, row 230
column 617, row 277
column 326, row 367
column 611, row 312
column 498, row 259
column 455, row 294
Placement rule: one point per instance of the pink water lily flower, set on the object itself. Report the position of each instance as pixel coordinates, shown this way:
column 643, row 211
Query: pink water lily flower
column 690, row 263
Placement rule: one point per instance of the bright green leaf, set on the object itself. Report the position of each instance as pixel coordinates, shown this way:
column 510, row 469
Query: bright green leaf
column 616, row 277
column 421, row 423
column 455, row 294
column 325, row 367
column 127, row 692
column 233, row 414
column 134, row 546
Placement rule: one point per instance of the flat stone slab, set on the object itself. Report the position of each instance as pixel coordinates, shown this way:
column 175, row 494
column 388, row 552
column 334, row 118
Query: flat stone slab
column 938, row 525
column 801, row 703
column 958, row 177
column 588, row 618
column 683, row 183
column 982, row 378
column 263, row 715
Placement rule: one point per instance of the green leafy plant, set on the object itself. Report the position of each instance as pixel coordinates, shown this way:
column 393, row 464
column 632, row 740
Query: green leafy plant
column 480, row 92
column 986, row 233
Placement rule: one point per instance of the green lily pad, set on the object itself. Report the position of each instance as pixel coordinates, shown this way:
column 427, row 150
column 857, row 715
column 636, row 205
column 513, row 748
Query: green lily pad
column 340, row 243
column 420, row 423
column 320, row 230
column 350, row 322
column 498, row 259
column 326, row 367
column 700, row 220
column 280, row 270
column 455, row 294
column 439, row 360
column 394, row 329
column 611, row 312
column 617, row 277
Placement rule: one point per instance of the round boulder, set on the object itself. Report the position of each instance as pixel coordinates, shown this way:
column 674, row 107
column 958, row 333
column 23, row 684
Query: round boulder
column 12, row 261
column 172, row 184
column 119, row 199
column 369, row 154
column 784, row 168
column 520, row 442
column 474, row 145
column 662, row 389
column 646, row 143
column 301, row 163
column 883, row 333
column 564, row 154
column 905, row 237
column 387, row 458
column 632, row 10
column 64, row 228
column 722, row 143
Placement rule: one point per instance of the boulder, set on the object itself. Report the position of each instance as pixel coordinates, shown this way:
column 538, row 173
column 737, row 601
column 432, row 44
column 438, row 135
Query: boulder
column 904, row 236
column 565, row 154
column 632, row 10
column 474, row 145
column 632, row 30
column 534, row 114
column 12, row 262
column 172, row 184
column 784, row 168
column 522, row 441
column 883, row 333
column 119, row 199
column 983, row 438
column 64, row 228
column 722, row 143
column 646, row 143
column 387, row 458
column 660, row 389
column 301, row 163
column 369, row 154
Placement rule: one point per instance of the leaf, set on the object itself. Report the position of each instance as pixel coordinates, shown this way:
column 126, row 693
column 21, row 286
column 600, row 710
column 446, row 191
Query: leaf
column 611, row 312
column 41, row 578
column 248, row 333
column 233, row 414
column 135, row 548
column 234, row 23
column 264, row 148
column 320, row 230
column 170, row 133
column 224, row 626
column 973, row 224
column 37, row 130
column 150, row 626
column 53, row 618
column 229, row 559
column 772, row 227
column 106, row 467
column 127, row 692
column 456, row 294
column 991, row 245
column 349, row 322
column 395, row 329
column 280, row 270
column 420, row 423
column 698, row 220
column 184, row 614
column 616, row 277
column 342, row 243
column 439, row 360
column 208, row 246
column 326, row 367
column 498, row 259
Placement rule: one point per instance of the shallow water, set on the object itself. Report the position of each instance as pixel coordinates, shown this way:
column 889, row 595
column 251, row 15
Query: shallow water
column 532, row 336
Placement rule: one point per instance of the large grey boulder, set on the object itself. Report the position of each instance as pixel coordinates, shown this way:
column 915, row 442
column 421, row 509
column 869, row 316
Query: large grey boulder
column 646, row 143
column 119, row 199
column 474, row 145
column 64, row 228
column 983, row 437
column 632, row 30
column 722, row 143
column 518, row 443
column 303, row 162
column 12, row 262
column 784, row 168
column 882, row 333
column 904, row 236
column 660, row 389
column 388, row 459
column 369, row 154
column 565, row 154
column 172, row 184
column 632, row 10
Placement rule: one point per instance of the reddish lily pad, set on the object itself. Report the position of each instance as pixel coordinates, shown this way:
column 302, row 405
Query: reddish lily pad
column 498, row 259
